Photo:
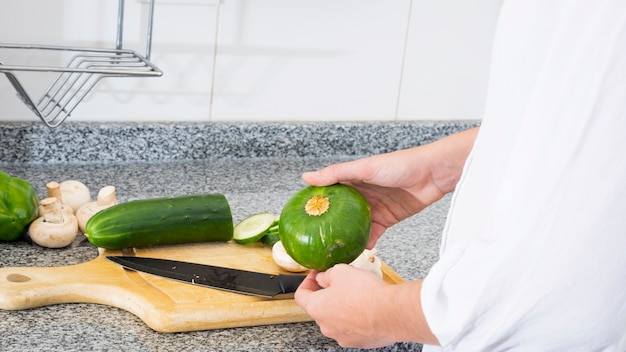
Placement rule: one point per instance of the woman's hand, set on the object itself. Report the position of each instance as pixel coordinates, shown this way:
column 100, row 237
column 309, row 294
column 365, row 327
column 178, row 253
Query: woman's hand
column 357, row 309
column 342, row 307
column 400, row 184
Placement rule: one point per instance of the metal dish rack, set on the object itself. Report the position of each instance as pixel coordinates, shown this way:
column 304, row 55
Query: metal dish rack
column 85, row 69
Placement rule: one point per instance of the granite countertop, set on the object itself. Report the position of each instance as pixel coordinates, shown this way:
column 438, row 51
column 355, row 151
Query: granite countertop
column 257, row 166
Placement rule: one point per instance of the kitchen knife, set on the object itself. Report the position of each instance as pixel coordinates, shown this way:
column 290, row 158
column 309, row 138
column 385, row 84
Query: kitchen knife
column 228, row 279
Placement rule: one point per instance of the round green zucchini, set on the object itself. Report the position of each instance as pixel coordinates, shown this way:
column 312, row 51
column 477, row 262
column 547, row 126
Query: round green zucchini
column 162, row 221
column 323, row 226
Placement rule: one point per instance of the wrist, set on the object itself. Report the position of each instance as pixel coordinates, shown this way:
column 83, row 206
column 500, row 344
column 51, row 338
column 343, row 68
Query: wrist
column 449, row 155
column 404, row 316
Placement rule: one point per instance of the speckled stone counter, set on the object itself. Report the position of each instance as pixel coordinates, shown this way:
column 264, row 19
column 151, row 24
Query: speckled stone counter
column 256, row 166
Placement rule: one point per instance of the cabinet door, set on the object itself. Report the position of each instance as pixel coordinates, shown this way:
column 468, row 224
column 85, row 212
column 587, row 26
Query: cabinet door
column 447, row 59
column 309, row 60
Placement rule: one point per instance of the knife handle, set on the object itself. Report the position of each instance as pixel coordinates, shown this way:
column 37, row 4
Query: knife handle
column 289, row 283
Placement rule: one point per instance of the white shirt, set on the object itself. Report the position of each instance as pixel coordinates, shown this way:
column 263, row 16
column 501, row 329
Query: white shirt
column 533, row 256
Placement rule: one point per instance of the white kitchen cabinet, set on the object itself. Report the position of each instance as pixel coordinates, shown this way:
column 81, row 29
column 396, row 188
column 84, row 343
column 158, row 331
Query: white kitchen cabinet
column 447, row 59
column 309, row 60
column 270, row 60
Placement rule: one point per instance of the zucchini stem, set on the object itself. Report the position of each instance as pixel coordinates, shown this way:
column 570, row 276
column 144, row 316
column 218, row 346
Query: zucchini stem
column 317, row 205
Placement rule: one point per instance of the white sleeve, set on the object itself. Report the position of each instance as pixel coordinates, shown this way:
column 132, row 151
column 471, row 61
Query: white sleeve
column 533, row 255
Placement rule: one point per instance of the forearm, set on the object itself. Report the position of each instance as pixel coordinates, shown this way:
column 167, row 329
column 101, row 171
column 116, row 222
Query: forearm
column 447, row 157
column 403, row 313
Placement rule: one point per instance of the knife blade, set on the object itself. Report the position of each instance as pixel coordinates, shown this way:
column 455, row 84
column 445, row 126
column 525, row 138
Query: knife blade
column 227, row 279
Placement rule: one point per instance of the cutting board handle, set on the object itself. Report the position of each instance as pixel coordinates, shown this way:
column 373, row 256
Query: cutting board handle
column 30, row 287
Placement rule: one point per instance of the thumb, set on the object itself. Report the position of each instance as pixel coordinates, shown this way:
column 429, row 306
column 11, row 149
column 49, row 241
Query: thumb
column 319, row 178
column 332, row 174
column 349, row 171
column 324, row 279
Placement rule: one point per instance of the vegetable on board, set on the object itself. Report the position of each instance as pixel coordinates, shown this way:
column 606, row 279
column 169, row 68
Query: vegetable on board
column 284, row 260
column 255, row 227
column 162, row 221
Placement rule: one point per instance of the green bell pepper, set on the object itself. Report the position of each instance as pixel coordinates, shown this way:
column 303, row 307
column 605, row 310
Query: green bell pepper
column 18, row 206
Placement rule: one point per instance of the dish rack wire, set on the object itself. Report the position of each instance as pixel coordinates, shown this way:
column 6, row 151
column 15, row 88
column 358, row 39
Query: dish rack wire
column 84, row 70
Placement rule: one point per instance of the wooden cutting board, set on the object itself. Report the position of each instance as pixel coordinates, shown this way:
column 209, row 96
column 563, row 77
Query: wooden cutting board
column 164, row 305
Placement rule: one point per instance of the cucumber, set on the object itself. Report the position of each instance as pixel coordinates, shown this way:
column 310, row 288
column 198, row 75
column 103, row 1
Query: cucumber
column 253, row 228
column 323, row 226
column 162, row 221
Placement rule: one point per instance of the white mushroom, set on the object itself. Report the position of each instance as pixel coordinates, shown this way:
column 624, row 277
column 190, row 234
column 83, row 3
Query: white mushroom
column 54, row 190
column 369, row 261
column 75, row 194
column 282, row 258
column 105, row 199
column 54, row 229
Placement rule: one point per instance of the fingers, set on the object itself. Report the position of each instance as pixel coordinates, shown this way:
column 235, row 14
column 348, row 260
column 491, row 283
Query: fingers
column 309, row 283
column 356, row 170
column 324, row 279
column 313, row 282
column 307, row 287
column 323, row 177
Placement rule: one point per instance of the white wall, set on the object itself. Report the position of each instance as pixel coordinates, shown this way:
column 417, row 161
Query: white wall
column 242, row 60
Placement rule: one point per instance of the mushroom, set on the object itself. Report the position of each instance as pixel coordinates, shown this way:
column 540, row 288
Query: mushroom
column 54, row 229
column 105, row 199
column 284, row 260
column 75, row 194
column 369, row 261
column 54, row 190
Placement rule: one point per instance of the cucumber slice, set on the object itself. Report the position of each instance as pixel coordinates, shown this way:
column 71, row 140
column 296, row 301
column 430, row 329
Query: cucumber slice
column 270, row 237
column 253, row 228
